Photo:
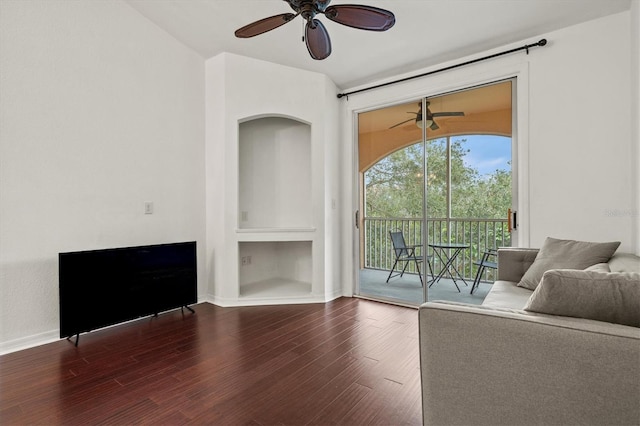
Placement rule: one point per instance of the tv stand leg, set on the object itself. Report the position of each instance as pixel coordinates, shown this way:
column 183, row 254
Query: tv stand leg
column 77, row 339
column 185, row 306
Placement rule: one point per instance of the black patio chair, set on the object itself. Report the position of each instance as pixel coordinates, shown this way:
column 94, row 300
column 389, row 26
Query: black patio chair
column 482, row 264
column 406, row 254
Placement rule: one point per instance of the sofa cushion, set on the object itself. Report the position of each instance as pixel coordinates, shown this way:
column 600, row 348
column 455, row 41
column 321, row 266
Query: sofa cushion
column 612, row 297
column 624, row 262
column 599, row 267
column 506, row 294
column 566, row 254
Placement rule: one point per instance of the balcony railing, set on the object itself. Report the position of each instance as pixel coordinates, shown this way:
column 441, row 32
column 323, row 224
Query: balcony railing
column 479, row 234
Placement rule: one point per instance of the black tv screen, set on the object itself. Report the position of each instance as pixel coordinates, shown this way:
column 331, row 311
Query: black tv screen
column 99, row 288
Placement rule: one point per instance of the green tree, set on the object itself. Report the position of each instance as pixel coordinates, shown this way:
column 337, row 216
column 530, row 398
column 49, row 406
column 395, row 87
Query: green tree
column 394, row 189
column 394, row 185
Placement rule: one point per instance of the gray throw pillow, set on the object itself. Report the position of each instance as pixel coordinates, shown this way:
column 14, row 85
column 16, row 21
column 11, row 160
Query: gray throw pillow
column 612, row 297
column 566, row 254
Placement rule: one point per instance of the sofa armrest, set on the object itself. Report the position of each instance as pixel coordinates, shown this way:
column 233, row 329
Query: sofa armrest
column 498, row 366
column 513, row 262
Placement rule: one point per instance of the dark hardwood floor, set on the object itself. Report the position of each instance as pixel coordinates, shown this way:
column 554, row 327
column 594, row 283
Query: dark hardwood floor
column 348, row 362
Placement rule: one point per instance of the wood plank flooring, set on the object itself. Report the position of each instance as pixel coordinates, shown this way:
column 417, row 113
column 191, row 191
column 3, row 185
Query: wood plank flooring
column 349, row 362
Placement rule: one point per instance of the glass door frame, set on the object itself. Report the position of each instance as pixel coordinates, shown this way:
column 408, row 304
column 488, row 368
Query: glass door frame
column 424, row 134
column 495, row 70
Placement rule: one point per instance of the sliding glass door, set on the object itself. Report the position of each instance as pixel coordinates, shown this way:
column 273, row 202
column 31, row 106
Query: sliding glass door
column 436, row 172
column 391, row 172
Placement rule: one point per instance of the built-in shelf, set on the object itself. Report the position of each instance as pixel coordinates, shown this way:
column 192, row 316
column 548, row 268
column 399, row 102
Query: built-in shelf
column 273, row 181
column 275, row 269
column 280, row 230
column 275, row 288
column 284, row 234
column 276, row 226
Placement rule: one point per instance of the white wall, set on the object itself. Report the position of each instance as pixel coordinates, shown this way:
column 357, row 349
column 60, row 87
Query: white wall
column 580, row 145
column 578, row 159
column 100, row 111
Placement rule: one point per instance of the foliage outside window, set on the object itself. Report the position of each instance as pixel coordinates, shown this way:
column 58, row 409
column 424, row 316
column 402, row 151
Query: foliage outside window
column 471, row 210
column 394, row 185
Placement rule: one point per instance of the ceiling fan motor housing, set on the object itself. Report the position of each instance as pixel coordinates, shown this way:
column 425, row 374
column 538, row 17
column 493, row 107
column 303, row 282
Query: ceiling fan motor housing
column 308, row 9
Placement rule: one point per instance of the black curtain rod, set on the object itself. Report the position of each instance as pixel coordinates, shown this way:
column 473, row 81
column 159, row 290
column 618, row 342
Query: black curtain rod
column 506, row 52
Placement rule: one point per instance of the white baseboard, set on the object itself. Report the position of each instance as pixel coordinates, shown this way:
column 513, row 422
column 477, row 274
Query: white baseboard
column 54, row 335
column 262, row 301
column 29, row 342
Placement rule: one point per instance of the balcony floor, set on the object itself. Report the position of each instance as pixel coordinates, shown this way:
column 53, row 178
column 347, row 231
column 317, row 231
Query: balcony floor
column 407, row 288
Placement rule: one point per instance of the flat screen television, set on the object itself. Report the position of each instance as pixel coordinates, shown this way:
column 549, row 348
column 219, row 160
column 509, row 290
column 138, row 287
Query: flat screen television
column 99, row 288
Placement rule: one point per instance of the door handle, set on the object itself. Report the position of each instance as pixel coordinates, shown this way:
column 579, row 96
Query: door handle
column 358, row 219
column 512, row 217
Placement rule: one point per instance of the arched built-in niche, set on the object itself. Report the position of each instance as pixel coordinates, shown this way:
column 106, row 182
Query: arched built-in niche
column 276, row 222
column 274, row 174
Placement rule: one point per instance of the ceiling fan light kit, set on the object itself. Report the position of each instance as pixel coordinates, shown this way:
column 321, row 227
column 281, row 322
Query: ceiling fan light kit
column 420, row 124
column 316, row 35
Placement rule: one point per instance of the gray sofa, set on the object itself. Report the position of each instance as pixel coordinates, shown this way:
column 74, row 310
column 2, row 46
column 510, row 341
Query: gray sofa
column 499, row 364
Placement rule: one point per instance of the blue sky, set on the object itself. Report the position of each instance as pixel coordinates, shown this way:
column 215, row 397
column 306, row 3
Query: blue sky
column 488, row 153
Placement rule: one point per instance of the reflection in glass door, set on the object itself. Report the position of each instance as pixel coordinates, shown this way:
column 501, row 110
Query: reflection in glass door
column 437, row 171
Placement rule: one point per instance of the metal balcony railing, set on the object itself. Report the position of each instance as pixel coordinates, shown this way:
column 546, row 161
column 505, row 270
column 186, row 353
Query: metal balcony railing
column 480, row 234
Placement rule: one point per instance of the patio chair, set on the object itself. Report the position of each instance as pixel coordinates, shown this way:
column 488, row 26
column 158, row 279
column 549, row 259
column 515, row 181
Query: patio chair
column 406, row 254
column 482, row 264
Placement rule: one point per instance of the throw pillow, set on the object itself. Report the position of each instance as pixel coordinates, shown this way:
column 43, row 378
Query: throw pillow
column 612, row 297
column 566, row 254
column 624, row 262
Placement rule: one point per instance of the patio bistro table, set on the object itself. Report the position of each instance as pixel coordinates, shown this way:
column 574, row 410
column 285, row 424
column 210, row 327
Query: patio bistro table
column 447, row 253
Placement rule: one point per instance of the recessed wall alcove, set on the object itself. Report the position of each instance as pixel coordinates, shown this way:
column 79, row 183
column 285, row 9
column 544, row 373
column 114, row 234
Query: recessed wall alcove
column 275, row 224
column 275, row 269
column 273, row 192
column 274, row 180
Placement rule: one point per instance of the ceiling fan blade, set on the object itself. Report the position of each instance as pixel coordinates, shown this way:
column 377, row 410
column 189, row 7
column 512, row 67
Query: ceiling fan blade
column 317, row 38
column 448, row 114
column 264, row 25
column 434, row 126
column 361, row 17
column 400, row 124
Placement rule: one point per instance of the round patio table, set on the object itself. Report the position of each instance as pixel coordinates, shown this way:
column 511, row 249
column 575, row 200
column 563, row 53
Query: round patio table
column 447, row 253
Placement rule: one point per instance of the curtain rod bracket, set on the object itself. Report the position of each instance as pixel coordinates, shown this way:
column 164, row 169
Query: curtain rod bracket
column 526, row 47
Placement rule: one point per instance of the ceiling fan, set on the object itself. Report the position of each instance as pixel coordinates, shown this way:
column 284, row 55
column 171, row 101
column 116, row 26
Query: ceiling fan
column 316, row 35
column 431, row 124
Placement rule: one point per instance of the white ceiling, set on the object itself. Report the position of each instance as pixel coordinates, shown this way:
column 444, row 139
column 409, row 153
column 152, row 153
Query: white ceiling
column 427, row 32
